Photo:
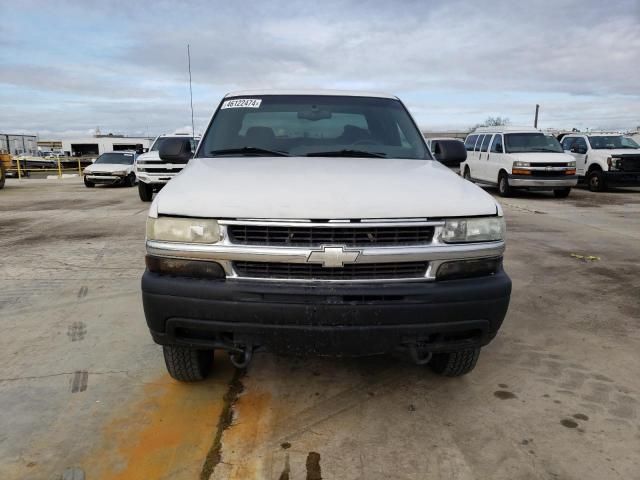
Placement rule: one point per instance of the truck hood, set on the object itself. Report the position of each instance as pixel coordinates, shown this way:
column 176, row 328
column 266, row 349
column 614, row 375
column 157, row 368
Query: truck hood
column 616, row 152
column 537, row 157
column 107, row 168
column 154, row 155
column 320, row 188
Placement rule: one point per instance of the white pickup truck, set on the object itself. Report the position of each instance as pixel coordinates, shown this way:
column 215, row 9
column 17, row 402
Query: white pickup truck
column 320, row 223
column 604, row 159
column 153, row 173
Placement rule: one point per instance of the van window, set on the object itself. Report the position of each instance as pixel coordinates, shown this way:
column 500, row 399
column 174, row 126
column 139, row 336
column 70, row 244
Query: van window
column 485, row 143
column 479, row 143
column 531, row 142
column 470, row 142
column 496, row 145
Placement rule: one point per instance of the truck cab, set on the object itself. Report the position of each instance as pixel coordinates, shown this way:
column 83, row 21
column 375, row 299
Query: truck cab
column 152, row 172
column 604, row 159
column 518, row 158
column 319, row 223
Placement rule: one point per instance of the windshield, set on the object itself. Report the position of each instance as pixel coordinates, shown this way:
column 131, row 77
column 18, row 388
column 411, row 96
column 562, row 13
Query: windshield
column 531, row 142
column 313, row 125
column 116, row 158
column 611, row 142
column 160, row 140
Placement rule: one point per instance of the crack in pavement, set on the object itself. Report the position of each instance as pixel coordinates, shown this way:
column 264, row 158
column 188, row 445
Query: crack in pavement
column 37, row 377
column 214, row 457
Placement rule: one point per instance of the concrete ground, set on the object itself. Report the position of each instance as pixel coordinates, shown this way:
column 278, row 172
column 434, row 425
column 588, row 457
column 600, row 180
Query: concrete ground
column 83, row 388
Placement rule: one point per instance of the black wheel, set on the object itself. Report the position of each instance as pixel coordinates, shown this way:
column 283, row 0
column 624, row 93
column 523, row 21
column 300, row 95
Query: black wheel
column 455, row 364
column 467, row 174
column 187, row 364
column 503, row 185
column 145, row 191
column 131, row 180
column 3, row 176
column 88, row 184
column 595, row 181
column 562, row 192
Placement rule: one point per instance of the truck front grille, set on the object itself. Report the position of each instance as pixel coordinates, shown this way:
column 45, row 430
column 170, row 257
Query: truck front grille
column 310, row 272
column 305, row 236
column 630, row 163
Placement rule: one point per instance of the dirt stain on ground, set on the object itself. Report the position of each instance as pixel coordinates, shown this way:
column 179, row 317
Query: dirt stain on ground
column 165, row 435
column 504, row 394
column 566, row 422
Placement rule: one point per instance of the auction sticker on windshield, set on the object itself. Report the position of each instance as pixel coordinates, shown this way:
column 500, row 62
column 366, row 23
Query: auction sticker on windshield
column 242, row 103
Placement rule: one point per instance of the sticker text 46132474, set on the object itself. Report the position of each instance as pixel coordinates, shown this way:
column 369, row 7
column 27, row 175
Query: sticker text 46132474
column 242, row 103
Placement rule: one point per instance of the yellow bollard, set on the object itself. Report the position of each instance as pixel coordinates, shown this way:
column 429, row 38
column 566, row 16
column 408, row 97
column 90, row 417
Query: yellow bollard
column 19, row 172
column 79, row 167
column 59, row 169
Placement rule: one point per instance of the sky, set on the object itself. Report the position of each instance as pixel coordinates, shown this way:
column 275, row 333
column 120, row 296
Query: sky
column 69, row 67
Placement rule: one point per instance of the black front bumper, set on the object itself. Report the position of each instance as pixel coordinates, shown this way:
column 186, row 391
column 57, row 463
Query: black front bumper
column 349, row 319
column 622, row 178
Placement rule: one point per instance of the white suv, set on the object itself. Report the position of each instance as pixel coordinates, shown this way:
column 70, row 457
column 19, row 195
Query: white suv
column 153, row 172
column 320, row 223
column 604, row 159
column 518, row 157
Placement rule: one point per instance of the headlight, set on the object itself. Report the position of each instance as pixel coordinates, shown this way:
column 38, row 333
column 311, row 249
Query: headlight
column 187, row 230
column 521, row 164
column 571, row 164
column 120, row 172
column 466, row 230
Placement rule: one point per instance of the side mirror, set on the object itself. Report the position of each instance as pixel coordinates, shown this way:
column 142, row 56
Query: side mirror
column 578, row 149
column 176, row 150
column 450, row 152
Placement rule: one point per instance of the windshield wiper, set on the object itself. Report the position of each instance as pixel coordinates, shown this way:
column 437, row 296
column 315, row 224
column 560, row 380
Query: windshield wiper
column 347, row 153
column 249, row 151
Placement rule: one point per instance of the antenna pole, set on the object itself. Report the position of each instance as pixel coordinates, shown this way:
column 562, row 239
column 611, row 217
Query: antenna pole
column 193, row 130
column 535, row 121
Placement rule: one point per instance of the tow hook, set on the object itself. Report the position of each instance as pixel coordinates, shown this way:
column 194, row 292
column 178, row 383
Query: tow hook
column 241, row 357
column 419, row 355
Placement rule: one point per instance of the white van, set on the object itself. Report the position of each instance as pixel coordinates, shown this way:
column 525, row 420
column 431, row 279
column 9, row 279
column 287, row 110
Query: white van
column 518, row 157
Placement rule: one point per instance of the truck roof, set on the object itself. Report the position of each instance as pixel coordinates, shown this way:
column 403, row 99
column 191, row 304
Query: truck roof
column 343, row 93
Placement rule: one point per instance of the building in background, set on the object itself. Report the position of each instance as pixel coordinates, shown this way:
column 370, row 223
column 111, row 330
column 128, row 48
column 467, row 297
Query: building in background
column 49, row 145
column 19, row 144
column 99, row 144
column 461, row 134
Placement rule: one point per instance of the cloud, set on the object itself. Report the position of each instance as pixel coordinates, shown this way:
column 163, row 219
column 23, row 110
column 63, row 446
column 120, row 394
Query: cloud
column 453, row 62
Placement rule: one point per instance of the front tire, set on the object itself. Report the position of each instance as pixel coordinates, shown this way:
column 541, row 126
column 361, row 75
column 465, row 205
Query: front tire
column 145, row 191
column 504, row 189
column 455, row 364
column 595, row 181
column 562, row 192
column 88, row 183
column 187, row 364
column 131, row 180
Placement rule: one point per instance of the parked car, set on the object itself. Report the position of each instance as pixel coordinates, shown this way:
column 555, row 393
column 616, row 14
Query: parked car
column 604, row 159
column 112, row 168
column 518, row 158
column 153, row 173
column 320, row 223
column 440, row 146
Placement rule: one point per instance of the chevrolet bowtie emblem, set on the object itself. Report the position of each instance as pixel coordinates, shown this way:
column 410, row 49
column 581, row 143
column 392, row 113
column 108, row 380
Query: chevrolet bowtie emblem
column 333, row 257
